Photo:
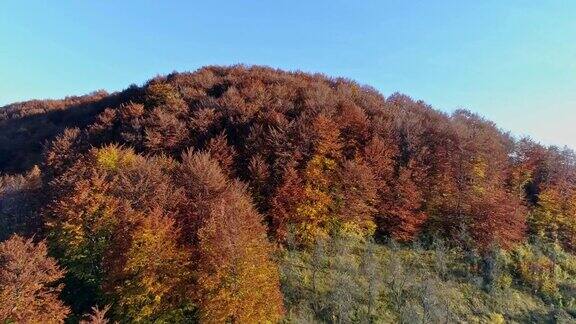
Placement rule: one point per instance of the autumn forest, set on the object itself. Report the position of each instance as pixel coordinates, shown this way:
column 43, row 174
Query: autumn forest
column 246, row 194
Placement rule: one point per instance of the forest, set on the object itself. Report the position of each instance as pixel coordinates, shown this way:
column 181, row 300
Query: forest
column 247, row 194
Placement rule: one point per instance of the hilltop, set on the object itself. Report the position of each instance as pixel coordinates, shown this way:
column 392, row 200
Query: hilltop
column 251, row 194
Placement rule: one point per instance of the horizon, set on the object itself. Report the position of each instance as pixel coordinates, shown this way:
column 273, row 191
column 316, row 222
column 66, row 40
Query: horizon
column 510, row 63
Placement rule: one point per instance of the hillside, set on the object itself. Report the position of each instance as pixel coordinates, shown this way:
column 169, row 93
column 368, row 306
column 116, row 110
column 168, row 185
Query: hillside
column 249, row 194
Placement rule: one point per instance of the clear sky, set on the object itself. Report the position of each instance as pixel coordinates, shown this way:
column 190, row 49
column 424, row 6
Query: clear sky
column 511, row 61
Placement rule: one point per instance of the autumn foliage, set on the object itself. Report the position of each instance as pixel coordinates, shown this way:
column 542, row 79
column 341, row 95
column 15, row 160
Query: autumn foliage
column 236, row 278
column 171, row 201
column 29, row 283
column 153, row 236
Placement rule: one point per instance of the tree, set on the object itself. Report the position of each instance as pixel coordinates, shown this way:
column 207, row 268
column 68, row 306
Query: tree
column 288, row 195
column 20, row 200
column 97, row 316
column 222, row 152
column 353, row 122
column 203, row 183
column 164, row 131
column 358, row 198
column 29, row 283
column 81, row 226
column 402, row 216
column 498, row 218
column 87, row 224
column 111, row 225
column 164, row 126
column 554, row 217
column 260, row 181
column 63, row 151
column 131, row 120
column 236, row 279
column 151, row 282
column 316, row 213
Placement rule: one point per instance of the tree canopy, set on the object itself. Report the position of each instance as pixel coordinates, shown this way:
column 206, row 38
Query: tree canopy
column 249, row 194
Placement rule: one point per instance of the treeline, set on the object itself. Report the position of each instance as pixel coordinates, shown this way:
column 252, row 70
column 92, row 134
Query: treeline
column 248, row 194
column 25, row 127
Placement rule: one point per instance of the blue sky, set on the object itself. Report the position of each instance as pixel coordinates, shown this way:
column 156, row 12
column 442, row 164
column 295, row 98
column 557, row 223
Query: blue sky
column 513, row 62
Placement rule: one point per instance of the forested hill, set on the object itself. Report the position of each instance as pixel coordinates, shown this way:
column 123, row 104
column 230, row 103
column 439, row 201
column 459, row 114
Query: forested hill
column 249, row 194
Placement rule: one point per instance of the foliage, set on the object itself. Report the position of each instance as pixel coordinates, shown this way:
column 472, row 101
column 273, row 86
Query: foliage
column 19, row 204
column 554, row 218
column 160, row 201
column 29, row 283
column 236, row 279
column 153, row 278
column 97, row 316
column 344, row 280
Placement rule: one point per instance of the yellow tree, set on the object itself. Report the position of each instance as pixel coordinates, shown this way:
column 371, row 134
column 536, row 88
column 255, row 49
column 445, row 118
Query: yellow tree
column 316, row 215
column 554, row 218
column 152, row 279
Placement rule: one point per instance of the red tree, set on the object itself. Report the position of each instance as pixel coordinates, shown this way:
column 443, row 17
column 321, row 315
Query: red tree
column 237, row 280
